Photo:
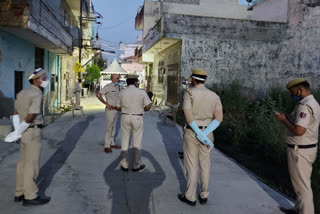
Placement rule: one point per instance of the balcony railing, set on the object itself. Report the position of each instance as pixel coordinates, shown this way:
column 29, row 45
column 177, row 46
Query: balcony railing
column 36, row 22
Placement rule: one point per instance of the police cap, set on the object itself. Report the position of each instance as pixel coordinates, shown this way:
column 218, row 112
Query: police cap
column 295, row 82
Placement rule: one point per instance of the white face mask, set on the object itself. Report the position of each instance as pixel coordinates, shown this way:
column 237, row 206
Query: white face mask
column 184, row 86
column 44, row 84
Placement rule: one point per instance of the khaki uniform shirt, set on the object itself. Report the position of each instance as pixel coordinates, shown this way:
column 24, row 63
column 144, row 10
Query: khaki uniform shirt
column 203, row 103
column 307, row 115
column 132, row 100
column 111, row 92
column 29, row 101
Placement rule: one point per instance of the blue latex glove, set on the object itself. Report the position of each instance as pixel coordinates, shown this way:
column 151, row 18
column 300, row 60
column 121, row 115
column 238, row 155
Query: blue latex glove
column 211, row 127
column 200, row 135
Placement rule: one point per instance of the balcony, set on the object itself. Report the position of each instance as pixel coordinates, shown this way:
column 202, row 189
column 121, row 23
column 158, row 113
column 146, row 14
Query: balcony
column 33, row 21
column 139, row 19
column 74, row 32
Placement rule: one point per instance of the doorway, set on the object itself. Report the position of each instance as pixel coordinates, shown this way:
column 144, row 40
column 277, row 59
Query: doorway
column 18, row 82
column 172, row 93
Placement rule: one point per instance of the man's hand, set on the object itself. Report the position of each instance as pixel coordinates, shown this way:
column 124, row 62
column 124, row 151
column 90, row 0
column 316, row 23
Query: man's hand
column 110, row 107
column 280, row 117
column 204, row 140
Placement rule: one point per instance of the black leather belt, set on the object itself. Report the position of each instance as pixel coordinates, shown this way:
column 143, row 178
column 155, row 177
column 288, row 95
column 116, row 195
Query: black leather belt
column 200, row 127
column 36, row 126
column 302, row 146
column 133, row 114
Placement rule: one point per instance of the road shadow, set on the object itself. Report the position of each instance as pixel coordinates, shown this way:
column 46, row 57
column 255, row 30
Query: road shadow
column 173, row 142
column 57, row 160
column 131, row 192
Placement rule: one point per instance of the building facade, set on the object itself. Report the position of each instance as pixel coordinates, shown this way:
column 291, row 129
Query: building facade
column 37, row 33
column 262, row 46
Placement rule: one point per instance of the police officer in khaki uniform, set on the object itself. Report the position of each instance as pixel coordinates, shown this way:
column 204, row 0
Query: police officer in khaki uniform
column 132, row 103
column 203, row 112
column 28, row 109
column 302, row 138
column 77, row 89
column 111, row 92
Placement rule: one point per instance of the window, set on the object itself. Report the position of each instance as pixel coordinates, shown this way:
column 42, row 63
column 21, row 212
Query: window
column 161, row 71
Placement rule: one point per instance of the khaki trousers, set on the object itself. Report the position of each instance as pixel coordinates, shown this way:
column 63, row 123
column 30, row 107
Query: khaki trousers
column 300, row 168
column 111, row 126
column 28, row 165
column 195, row 154
column 131, row 124
column 78, row 99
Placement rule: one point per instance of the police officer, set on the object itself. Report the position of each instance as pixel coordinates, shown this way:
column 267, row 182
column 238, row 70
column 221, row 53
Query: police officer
column 132, row 103
column 28, row 109
column 203, row 112
column 111, row 92
column 302, row 138
column 78, row 92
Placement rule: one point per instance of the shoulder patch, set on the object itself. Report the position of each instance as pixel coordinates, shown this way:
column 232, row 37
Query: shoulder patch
column 302, row 115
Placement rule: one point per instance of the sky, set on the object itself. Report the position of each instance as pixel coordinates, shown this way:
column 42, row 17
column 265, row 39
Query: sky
column 117, row 23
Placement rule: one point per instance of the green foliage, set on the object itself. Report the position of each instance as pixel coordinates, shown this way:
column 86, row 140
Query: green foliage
column 251, row 135
column 93, row 73
column 235, row 105
column 101, row 63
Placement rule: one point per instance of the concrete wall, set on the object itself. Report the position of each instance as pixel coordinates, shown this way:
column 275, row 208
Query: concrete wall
column 68, row 77
column 152, row 13
column 16, row 55
column 183, row 1
column 227, row 52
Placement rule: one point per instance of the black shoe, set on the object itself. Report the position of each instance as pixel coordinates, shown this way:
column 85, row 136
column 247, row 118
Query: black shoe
column 180, row 154
column 35, row 202
column 141, row 167
column 185, row 200
column 202, row 200
column 124, row 169
column 18, row 198
column 288, row 211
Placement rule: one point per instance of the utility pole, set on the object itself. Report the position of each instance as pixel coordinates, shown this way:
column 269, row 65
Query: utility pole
column 80, row 36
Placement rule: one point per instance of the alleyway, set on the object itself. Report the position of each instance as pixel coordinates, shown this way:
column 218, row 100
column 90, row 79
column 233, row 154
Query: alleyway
column 81, row 179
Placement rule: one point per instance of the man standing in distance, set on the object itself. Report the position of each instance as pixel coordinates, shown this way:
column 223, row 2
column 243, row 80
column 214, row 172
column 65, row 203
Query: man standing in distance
column 111, row 92
column 302, row 138
column 203, row 111
column 132, row 103
column 28, row 109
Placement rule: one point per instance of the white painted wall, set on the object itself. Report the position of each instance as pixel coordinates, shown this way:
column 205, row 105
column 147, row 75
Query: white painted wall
column 267, row 10
column 271, row 10
column 211, row 8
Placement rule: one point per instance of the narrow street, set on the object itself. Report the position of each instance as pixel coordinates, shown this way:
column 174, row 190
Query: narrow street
column 80, row 178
